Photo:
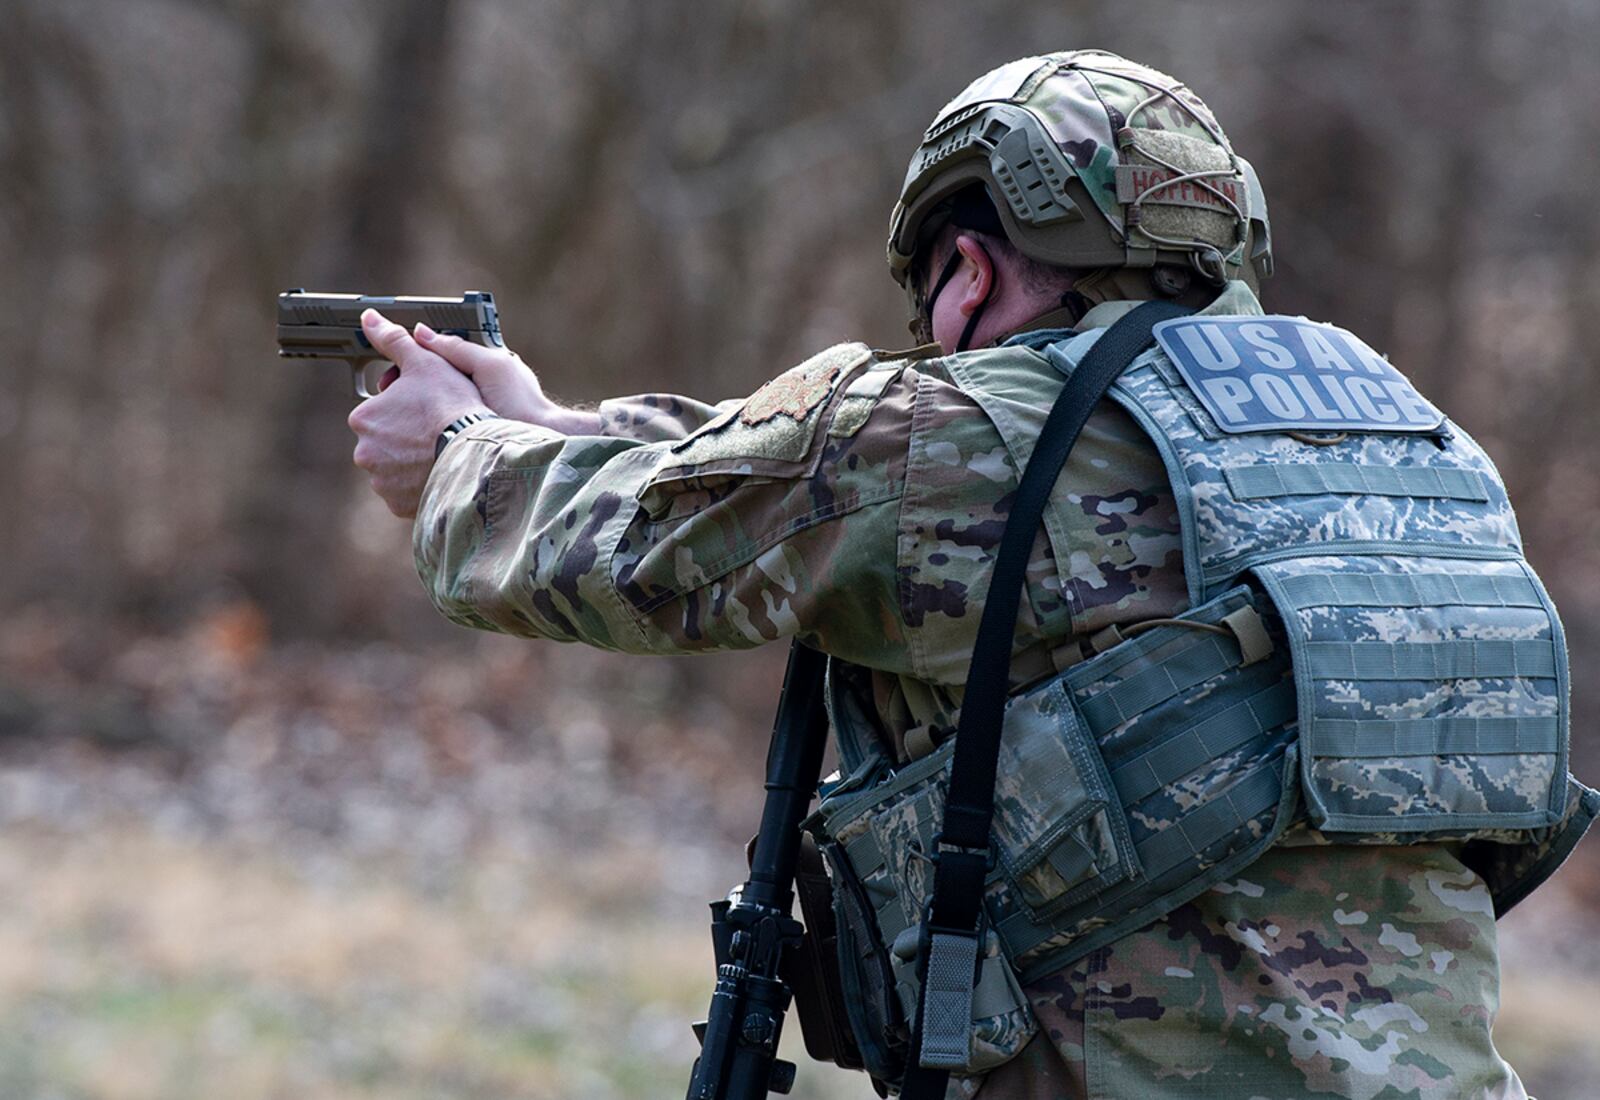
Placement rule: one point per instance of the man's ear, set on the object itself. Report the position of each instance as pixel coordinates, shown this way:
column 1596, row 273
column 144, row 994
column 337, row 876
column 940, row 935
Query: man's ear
column 977, row 284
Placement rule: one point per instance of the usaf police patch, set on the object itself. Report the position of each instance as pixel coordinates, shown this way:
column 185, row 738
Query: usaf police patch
column 1258, row 374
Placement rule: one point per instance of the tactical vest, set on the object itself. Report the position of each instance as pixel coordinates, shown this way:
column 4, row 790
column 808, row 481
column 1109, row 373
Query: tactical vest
column 1368, row 659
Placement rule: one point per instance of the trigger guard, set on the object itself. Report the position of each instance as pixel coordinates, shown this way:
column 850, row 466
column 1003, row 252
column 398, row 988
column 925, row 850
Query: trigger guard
column 363, row 382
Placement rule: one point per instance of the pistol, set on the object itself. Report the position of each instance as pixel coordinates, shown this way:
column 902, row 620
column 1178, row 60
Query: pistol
column 328, row 326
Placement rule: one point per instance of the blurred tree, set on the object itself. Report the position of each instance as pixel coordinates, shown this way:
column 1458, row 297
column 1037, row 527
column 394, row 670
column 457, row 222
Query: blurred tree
column 683, row 199
column 297, row 556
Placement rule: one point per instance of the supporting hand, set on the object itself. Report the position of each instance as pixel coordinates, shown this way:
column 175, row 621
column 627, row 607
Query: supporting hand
column 508, row 385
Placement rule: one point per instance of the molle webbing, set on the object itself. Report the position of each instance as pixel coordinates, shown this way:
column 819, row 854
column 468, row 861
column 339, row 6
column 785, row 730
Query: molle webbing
column 1411, row 590
column 1378, row 737
column 1221, row 739
column 1429, row 664
column 1470, row 659
column 1191, row 840
column 1348, row 478
column 1441, row 712
column 1164, row 681
column 1210, row 739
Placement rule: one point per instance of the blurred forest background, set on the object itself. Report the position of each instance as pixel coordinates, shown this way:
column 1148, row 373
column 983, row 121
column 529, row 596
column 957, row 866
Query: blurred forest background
column 272, row 829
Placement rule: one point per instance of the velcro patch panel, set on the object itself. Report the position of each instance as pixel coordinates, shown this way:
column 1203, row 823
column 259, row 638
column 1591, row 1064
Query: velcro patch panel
column 1259, row 374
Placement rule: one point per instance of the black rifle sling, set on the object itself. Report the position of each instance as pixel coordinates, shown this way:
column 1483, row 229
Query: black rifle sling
column 951, row 923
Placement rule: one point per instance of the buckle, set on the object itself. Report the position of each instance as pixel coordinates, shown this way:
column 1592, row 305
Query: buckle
column 941, row 847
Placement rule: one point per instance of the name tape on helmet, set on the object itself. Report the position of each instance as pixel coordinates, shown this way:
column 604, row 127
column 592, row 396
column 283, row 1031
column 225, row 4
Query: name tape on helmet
column 1258, row 374
column 1156, row 187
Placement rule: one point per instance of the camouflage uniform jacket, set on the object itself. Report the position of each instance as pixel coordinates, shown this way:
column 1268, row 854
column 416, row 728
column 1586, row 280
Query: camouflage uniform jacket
column 857, row 502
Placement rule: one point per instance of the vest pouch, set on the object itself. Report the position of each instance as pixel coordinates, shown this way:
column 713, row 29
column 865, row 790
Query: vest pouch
column 1196, row 732
column 1059, row 837
column 872, row 1004
column 1060, row 833
column 812, row 969
column 880, row 986
column 879, row 980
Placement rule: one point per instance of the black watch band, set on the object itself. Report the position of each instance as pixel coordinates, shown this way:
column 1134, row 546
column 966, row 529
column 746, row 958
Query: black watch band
column 457, row 426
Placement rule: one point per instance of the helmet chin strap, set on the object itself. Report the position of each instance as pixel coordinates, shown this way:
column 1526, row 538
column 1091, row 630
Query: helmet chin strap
column 950, row 267
column 972, row 326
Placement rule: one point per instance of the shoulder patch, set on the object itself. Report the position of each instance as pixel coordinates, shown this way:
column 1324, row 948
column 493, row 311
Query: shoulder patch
column 796, row 392
column 1274, row 373
column 774, row 431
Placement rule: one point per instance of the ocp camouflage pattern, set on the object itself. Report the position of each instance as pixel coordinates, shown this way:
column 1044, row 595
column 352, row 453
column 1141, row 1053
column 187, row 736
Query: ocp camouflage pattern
column 1123, row 128
column 684, row 528
column 1351, row 972
column 619, row 543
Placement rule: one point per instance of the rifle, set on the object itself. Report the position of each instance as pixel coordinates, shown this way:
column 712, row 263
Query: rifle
column 328, row 326
column 752, row 931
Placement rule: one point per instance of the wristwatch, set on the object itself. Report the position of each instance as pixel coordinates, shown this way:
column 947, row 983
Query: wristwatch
column 457, row 426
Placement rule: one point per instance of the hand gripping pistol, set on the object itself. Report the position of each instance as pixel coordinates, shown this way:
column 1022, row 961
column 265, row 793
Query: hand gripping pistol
column 328, row 326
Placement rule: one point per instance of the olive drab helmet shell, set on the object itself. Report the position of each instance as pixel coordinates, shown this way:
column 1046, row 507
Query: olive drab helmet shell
column 1091, row 161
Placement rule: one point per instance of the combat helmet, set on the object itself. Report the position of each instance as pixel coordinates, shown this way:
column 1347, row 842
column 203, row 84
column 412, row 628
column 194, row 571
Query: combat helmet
column 1092, row 162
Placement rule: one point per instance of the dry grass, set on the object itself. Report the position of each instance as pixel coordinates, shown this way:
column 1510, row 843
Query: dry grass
column 137, row 967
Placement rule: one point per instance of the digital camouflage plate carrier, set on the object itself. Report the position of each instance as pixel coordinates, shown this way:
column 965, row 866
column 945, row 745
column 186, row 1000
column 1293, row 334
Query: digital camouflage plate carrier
column 1369, row 659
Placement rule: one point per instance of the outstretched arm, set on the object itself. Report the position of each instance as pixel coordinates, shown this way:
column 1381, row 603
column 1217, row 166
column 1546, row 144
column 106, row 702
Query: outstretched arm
column 740, row 534
column 511, row 389
column 777, row 518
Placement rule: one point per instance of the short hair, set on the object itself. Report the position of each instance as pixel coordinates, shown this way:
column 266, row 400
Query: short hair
column 971, row 211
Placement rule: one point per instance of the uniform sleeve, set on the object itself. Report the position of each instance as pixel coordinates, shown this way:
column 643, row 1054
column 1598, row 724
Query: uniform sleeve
column 776, row 518
column 654, row 417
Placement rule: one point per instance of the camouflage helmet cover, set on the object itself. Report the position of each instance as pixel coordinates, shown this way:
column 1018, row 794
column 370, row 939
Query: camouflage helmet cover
column 1091, row 161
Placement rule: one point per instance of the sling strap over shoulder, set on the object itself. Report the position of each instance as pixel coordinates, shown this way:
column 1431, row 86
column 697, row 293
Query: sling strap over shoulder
column 949, row 944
